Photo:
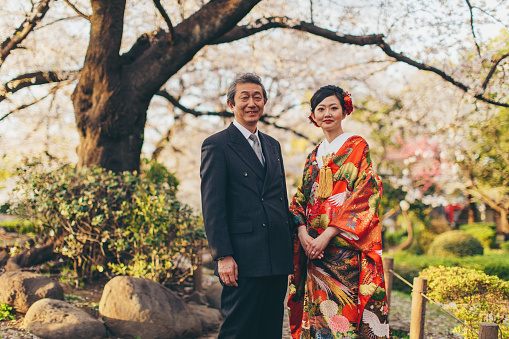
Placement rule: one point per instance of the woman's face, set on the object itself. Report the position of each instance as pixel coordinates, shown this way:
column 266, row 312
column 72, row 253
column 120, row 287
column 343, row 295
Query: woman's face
column 328, row 114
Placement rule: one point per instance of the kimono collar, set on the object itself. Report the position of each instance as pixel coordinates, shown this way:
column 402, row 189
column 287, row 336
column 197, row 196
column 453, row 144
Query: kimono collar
column 333, row 147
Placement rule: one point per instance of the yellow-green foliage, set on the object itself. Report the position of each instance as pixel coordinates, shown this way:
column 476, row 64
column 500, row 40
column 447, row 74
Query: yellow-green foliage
column 455, row 244
column 471, row 295
column 505, row 246
column 483, row 232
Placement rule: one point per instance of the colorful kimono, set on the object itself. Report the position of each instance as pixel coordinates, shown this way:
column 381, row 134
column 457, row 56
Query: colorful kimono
column 343, row 294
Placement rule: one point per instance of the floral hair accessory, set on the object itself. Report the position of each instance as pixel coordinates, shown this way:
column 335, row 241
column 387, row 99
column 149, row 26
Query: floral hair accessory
column 348, row 102
column 312, row 121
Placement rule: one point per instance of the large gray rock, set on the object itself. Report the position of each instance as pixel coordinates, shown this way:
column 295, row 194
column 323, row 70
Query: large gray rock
column 210, row 318
column 213, row 295
column 21, row 289
column 50, row 318
column 136, row 307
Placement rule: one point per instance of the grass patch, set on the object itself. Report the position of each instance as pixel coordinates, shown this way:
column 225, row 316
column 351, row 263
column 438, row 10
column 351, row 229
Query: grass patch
column 20, row 226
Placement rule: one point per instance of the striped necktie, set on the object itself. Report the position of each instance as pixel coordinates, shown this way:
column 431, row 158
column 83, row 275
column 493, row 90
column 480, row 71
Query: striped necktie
column 256, row 147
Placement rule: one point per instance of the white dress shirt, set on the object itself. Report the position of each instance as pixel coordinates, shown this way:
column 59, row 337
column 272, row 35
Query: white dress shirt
column 246, row 133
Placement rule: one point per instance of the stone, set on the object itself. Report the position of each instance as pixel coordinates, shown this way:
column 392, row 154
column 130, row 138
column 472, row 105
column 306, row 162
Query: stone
column 213, row 295
column 198, row 298
column 51, row 318
column 21, row 289
column 210, row 318
column 137, row 307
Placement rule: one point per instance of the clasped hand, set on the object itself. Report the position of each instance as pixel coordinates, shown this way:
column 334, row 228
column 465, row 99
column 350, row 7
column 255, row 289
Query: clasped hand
column 314, row 247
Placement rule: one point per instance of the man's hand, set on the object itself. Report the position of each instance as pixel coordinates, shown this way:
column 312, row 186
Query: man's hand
column 228, row 271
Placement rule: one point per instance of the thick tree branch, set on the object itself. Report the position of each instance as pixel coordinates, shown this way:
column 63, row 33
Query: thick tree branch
column 80, row 13
column 166, row 18
column 225, row 114
column 259, row 25
column 33, row 79
column 240, row 32
column 163, row 59
column 23, row 30
column 496, row 62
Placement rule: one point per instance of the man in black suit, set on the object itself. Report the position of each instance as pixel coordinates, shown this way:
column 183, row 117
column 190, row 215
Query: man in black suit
column 245, row 211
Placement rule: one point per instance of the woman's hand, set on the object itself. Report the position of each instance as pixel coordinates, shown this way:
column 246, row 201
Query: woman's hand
column 316, row 246
column 305, row 241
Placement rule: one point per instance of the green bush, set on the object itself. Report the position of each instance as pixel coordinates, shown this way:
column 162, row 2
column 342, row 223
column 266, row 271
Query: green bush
column 505, row 246
column 455, row 244
column 131, row 223
column 492, row 262
column 471, row 295
column 483, row 232
column 6, row 312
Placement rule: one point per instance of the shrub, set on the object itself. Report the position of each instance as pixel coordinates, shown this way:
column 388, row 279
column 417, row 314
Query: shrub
column 505, row 246
column 483, row 232
column 131, row 223
column 6, row 312
column 492, row 262
column 471, row 295
column 455, row 244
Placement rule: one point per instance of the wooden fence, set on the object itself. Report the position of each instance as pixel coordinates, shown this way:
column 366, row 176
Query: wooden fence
column 419, row 298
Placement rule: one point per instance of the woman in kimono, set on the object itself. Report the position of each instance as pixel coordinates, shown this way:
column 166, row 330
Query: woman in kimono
column 337, row 290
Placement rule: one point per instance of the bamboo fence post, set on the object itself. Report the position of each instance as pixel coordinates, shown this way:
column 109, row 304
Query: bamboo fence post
column 488, row 331
column 388, row 263
column 418, row 308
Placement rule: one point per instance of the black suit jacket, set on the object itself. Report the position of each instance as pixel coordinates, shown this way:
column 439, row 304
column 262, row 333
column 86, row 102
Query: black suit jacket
column 245, row 205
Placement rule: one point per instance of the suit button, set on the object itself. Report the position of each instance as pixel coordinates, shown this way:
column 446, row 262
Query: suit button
column 245, row 174
column 264, row 224
column 263, row 199
column 281, row 198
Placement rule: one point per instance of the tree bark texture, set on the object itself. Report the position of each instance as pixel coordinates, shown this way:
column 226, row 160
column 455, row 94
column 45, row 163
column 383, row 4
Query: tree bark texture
column 114, row 91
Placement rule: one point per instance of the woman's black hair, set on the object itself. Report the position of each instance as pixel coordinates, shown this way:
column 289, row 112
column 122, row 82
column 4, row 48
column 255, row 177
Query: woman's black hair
column 327, row 91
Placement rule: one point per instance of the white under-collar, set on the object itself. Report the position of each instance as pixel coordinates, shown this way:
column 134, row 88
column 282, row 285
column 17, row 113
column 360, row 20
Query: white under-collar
column 245, row 132
column 332, row 147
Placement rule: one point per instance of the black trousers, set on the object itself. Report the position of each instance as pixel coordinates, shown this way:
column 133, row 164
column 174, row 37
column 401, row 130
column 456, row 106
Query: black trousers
column 254, row 309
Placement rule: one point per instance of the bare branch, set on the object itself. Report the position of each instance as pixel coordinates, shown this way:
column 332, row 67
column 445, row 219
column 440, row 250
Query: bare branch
column 166, row 18
column 402, row 58
column 496, row 62
column 176, row 103
column 52, row 91
column 259, row 25
column 264, row 119
column 23, row 30
column 80, row 13
column 240, row 32
column 472, row 26
column 33, row 79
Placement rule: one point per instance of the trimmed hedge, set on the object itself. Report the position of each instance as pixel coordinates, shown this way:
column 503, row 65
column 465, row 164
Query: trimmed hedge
column 471, row 295
column 484, row 232
column 455, row 244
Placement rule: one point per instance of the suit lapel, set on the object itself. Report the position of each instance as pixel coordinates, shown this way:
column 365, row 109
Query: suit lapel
column 271, row 159
column 241, row 146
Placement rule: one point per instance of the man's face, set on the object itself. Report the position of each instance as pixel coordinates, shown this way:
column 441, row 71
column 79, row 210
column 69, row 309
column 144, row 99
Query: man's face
column 249, row 105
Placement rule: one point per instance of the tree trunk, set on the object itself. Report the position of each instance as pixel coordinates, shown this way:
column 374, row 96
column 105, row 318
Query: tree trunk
column 114, row 92
column 111, row 135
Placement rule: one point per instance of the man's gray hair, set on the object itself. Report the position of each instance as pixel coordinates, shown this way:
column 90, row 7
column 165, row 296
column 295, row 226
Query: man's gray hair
column 245, row 78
